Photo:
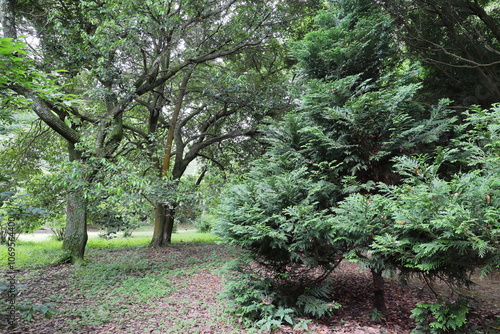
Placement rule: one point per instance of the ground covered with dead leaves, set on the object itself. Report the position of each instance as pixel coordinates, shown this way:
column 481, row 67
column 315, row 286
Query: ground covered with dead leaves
column 178, row 290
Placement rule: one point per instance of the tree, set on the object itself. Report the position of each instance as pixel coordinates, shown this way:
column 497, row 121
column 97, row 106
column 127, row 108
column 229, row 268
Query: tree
column 431, row 226
column 443, row 227
column 358, row 115
column 358, row 112
column 8, row 21
column 224, row 110
column 42, row 92
column 128, row 58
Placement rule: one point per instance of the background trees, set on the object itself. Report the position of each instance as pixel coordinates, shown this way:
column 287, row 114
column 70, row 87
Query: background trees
column 458, row 44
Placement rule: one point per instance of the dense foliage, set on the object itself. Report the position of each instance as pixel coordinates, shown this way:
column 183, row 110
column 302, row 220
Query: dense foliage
column 363, row 171
column 159, row 84
column 324, row 131
column 458, row 43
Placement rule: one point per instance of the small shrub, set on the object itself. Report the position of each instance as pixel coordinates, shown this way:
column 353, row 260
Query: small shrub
column 18, row 216
column 58, row 226
column 28, row 311
column 440, row 317
column 249, row 298
column 204, row 223
column 112, row 224
column 376, row 315
column 271, row 303
column 275, row 319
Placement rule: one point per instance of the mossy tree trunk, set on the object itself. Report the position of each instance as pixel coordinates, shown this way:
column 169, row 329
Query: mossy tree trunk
column 8, row 19
column 75, row 235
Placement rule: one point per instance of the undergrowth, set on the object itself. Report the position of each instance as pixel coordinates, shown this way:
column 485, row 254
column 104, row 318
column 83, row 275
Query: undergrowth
column 260, row 303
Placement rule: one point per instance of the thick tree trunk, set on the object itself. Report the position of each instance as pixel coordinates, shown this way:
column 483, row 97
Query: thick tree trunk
column 379, row 292
column 164, row 226
column 75, row 236
column 159, row 229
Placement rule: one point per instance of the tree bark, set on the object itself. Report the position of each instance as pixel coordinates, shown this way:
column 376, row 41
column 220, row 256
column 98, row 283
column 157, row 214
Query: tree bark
column 158, row 234
column 164, row 226
column 48, row 115
column 164, row 217
column 378, row 292
column 169, row 215
column 75, row 235
column 8, row 18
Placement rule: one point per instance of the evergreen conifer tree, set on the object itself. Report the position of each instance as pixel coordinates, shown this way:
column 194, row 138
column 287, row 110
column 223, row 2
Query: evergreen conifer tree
column 357, row 113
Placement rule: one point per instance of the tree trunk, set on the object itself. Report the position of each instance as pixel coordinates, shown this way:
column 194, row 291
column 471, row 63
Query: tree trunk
column 157, row 240
column 164, row 226
column 169, row 224
column 8, row 18
column 164, row 217
column 75, row 235
column 378, row 292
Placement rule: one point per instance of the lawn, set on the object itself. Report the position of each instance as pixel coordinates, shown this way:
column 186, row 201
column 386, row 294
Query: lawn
column 38, row 249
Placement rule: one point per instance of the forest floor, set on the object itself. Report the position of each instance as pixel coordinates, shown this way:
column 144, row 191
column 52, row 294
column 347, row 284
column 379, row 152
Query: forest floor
column 178, row 290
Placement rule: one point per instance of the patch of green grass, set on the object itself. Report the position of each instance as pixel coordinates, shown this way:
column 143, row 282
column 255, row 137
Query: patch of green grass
column 127, row 274
column 107, row 270
column 133, row 241
column 120, row 280
column 144, row 289
column 136, row 241
column 32, row 254
column 192, row 236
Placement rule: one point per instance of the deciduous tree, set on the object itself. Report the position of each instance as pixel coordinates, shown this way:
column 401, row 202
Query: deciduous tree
column 134, row 65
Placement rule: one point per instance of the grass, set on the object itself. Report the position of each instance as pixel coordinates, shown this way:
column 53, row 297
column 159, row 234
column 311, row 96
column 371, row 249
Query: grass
column 30, row 254
column 33, row 254
column 120, row 279
column 123, row 285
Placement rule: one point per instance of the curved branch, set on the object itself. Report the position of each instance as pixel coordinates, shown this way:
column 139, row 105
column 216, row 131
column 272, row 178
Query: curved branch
column 46, row 114
column 487, row 19
column 213, row 160
column 196, row 148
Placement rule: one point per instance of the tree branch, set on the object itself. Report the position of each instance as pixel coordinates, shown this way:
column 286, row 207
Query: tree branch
column 196, row 148
column 46, row 114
